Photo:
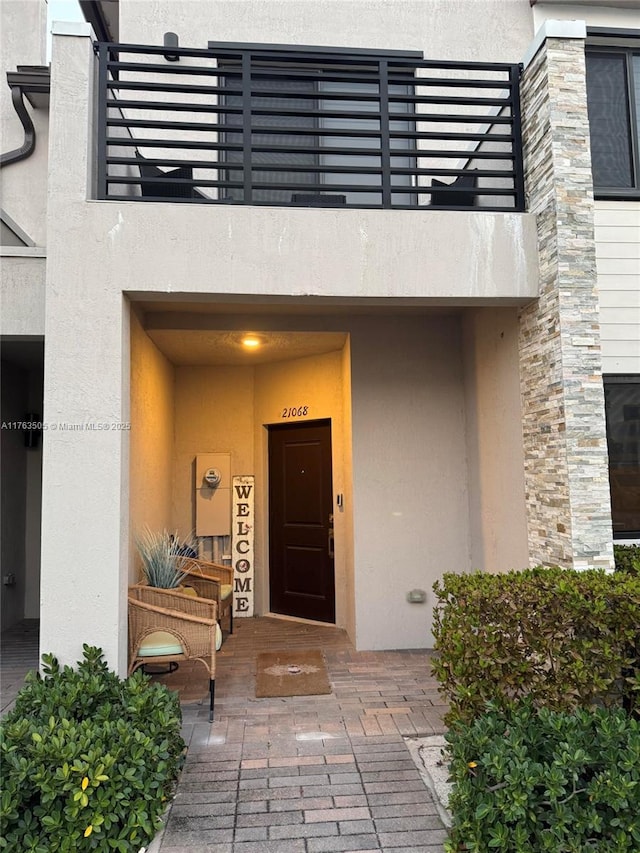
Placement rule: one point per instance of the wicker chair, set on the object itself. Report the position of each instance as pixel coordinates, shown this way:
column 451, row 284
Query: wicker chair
column 167, row 626
column 211, row 580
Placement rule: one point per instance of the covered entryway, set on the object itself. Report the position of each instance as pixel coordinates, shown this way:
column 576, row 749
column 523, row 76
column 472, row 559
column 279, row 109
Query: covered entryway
column 423, row 471
column 301, row 553
column 197, row 388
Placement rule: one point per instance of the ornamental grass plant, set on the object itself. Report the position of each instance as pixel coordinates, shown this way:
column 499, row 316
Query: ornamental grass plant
column 162, row 564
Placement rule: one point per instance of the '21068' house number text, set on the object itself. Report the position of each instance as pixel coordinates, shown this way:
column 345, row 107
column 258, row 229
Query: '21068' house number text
column 295, row 412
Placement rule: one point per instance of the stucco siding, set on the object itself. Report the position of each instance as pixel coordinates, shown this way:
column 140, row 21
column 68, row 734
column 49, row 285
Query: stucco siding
column 436, row 26
column 152, row 408
column 22, row 293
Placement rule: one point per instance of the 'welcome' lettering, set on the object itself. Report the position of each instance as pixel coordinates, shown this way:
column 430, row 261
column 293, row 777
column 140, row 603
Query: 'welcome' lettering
column 243, row 544
column 242, row 585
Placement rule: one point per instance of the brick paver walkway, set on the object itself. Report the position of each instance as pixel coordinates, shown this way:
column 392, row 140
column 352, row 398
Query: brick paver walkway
column 311, row 774
column 18, row 654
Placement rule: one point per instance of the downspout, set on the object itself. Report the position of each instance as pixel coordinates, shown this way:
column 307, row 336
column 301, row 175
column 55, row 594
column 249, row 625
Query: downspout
column 28, row 146
column 34, row 81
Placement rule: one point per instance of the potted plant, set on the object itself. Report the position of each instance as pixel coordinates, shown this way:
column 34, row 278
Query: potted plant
column 163, row 563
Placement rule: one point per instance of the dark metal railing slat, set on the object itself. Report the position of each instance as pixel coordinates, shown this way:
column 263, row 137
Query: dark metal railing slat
column 516, row 73
column 246, row 127
column 215, row 165
column 305, row 187
column 102, row 152
column 385, row 140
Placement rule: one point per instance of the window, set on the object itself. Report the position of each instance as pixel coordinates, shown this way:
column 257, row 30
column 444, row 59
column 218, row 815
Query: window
column 622, row 406
column 314, row 140
column 613, row 101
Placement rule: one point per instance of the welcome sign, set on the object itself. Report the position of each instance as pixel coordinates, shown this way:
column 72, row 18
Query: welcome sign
column 242, row 547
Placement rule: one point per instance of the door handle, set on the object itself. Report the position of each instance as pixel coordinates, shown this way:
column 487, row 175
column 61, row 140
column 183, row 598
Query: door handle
column 330, row 538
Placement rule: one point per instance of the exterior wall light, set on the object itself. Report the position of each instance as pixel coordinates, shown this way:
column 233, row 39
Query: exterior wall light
column 171, row 40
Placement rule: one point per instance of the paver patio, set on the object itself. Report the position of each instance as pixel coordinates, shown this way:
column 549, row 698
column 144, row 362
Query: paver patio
column 308, row 774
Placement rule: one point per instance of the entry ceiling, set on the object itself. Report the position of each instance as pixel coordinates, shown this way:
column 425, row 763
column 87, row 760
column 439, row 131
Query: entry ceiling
column 210, row 347
column 200, row 332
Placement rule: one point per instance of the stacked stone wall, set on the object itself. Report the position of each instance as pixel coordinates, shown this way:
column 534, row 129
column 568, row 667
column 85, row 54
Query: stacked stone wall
column 566, row 474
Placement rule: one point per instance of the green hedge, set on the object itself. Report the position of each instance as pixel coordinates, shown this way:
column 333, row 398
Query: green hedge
column 565, row 638
column 88, row 760
column 538, row 780
column 627, row 558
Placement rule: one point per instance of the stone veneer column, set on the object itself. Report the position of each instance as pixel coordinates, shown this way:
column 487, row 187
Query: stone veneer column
column 566, row 467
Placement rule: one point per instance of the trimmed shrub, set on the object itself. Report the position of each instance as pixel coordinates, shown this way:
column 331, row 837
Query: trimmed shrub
column 627, row 558
column 540, row 780
column 88, row 759
column 565, row 638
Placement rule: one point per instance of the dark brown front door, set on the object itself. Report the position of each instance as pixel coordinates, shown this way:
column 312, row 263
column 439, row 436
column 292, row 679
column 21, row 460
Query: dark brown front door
column 300, row 521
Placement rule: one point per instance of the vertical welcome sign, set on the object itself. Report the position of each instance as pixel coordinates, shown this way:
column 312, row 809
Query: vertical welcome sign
column 242, row 546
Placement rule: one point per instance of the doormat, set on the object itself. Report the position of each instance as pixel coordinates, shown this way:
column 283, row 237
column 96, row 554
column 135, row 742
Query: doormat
column 292, row 673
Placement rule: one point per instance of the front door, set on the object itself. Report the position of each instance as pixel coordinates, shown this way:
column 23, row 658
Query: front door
column 300, row 521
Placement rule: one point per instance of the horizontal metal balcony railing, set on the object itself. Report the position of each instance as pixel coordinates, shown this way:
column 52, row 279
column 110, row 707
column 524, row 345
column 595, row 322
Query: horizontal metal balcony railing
column 277, row 125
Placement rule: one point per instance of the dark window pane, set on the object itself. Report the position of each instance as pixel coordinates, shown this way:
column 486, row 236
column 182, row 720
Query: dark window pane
column 609, row 120
column 296, row 133
column 292, row 139
column 373, row 160
column 622, row 404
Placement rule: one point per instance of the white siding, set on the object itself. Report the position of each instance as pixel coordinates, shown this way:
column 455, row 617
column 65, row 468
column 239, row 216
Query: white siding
column 618, row 263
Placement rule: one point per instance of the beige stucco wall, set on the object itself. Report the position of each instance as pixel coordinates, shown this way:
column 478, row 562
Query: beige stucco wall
column 409, row 473
column 604, row 14
column 498, row 523
column 85, row 511
column 214, row 414
column 398, row 25
column 22, row 293
column 152, row 436
column 373, row 253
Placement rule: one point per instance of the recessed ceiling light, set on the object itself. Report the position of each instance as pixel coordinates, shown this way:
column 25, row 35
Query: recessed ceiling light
column 251, row 342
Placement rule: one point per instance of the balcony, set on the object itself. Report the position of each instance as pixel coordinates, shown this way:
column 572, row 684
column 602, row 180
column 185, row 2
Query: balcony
column 274, row 125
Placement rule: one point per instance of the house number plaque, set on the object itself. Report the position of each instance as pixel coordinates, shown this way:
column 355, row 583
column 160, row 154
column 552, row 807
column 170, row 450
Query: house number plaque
column 294, row 411
column 242, row 547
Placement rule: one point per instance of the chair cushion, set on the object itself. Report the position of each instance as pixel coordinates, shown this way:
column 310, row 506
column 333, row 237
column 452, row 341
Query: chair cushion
column 163, row 643
column 159, row 643
column 225, row 590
